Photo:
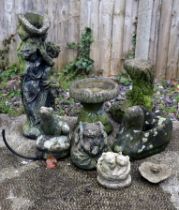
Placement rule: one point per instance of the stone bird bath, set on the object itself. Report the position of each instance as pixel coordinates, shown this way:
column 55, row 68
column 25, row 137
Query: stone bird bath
column 92, row 93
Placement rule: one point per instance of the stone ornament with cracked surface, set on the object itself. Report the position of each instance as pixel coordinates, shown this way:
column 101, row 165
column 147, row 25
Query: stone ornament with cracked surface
column 114, row 170
column 155, row 173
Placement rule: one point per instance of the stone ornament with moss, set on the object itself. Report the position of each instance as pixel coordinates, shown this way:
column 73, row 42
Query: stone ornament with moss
column 92, row 93
column 142, row 133
column 113, row 170
column 55, row 134
column 142, row 76
column 90, row 141
column 36, row 61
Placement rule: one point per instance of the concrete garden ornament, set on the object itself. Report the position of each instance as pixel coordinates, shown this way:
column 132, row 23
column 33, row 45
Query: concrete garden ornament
column 142, row 133
column 154, row 173
column 141, row 73
column 113, row 170
column 54, row 141
column 36, row 60
column 92, row 93
column 55, row 137
column 90, row 141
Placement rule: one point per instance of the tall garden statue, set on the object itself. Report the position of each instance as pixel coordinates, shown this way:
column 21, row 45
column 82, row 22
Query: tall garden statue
column 36, row 59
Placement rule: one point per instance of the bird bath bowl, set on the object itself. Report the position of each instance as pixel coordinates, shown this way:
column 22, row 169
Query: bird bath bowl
column 92, row 93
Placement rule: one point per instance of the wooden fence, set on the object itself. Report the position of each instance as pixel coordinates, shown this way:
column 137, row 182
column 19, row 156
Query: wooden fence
column 146, row 29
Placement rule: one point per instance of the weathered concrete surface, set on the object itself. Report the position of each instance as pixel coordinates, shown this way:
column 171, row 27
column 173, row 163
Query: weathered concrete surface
column 28, row 185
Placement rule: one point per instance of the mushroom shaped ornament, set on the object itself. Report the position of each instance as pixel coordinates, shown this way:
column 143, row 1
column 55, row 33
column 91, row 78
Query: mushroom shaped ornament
column 154, row 173
column 114, row 170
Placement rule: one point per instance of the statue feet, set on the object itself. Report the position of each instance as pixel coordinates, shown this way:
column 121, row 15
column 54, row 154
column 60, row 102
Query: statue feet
column 30, row 131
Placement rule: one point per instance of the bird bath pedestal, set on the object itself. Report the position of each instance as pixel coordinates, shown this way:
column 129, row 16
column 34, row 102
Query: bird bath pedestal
column 92, row 93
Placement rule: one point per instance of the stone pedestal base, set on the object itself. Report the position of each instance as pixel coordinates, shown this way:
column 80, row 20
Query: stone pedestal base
column 58, row 146
column 114, row 184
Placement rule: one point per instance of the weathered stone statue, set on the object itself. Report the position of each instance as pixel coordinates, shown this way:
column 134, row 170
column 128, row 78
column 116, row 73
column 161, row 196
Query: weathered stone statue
column 114, row 170
column 142, row 133
column 55, row 134
column 90, row 141
column 36, row 60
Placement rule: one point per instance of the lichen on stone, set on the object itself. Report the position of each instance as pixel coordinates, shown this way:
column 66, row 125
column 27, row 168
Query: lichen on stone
column 146, row 139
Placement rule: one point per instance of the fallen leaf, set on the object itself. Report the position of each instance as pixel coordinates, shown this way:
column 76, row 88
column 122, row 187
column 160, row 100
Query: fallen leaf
column 51, row 162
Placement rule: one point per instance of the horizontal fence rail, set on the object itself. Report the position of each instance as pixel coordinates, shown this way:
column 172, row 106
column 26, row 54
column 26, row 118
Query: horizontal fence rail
column 145, row 29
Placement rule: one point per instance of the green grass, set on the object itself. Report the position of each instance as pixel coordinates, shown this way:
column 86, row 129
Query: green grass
column 9, row 73
column 170, row 109
column 6, row 107
column 7, row 94
column 65, row 81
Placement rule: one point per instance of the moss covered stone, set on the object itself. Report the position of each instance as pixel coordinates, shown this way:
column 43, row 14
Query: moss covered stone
column 142, row 76
column 90, row 141
column 35, row 61
column 139, row 137
column 92, row 113
column 32, row 24
column 117, row 111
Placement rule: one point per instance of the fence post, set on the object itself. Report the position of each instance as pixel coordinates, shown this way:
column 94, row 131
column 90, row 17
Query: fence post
column 143, row 29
